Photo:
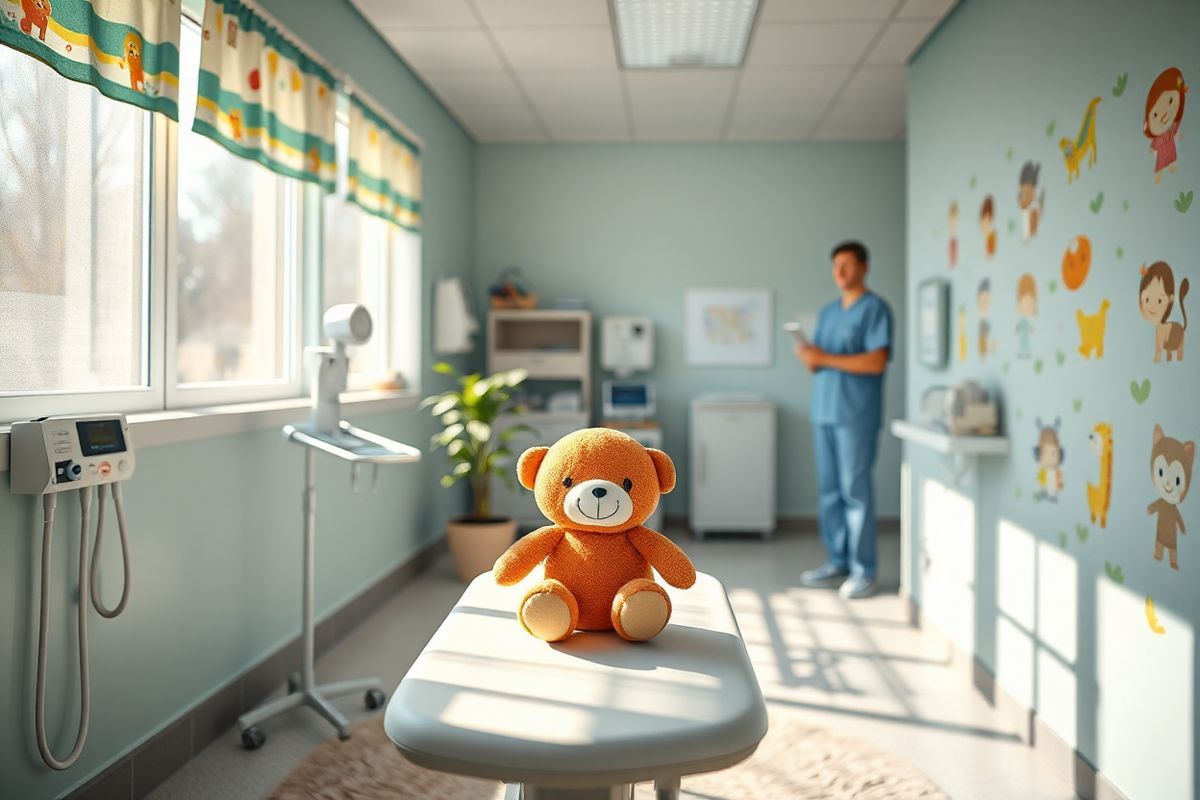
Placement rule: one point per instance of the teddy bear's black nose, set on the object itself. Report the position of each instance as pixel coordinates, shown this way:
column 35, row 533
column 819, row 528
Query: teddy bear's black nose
column 599, row 492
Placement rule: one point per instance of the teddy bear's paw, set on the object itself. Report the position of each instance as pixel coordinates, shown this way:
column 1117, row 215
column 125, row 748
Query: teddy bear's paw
column 547, row 616
column 640, row 610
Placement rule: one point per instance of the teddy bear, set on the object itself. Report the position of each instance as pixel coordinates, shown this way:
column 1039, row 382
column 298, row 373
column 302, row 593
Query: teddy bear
column 597, row 486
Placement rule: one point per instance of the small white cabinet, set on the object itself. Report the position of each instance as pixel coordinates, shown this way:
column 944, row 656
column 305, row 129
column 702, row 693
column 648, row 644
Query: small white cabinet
column 732, row 481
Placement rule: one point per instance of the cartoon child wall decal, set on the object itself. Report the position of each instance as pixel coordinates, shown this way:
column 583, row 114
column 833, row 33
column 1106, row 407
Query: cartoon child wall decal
column 952, row 226
column 1049, row 455
column 987, row 225
column 1171, row 472
column 984, row 300
column 1164, row 115
column 1027, row 310
column 1156, row 298
column 1032, row 204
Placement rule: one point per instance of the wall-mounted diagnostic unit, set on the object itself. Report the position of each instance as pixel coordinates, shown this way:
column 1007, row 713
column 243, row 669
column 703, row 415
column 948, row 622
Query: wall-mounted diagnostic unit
column 49, row 456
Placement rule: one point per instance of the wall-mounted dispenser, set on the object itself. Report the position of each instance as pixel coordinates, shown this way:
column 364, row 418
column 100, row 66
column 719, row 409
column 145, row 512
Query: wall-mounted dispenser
column 454, row 321
column 627, row 345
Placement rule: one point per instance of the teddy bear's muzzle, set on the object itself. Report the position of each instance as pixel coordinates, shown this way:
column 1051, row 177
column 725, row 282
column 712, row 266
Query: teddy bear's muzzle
column 598, row 502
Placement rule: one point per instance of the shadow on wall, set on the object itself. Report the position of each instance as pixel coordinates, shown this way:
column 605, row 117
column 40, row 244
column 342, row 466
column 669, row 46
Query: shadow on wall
column 1018, row 603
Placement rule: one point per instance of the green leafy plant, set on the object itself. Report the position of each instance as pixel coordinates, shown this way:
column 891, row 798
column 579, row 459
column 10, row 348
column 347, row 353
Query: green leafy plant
column 1118, row 88
column 1184, row 202
column 468, row 415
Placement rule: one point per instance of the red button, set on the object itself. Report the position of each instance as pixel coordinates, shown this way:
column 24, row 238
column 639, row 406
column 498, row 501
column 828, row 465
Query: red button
column 105, row 467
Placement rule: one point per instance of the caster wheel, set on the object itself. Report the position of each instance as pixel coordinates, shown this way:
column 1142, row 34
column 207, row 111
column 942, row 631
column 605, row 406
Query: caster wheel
column 253, row 738
column 293, row 683
column 374, row 699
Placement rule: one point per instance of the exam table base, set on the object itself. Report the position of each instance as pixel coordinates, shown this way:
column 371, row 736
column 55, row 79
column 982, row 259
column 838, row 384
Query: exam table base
column 663, row 790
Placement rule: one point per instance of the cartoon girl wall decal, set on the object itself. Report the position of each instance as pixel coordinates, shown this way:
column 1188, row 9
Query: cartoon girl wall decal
column 987, row 225
column 1027, row 310
column 1049, row 455
column 952, row 226
column 1164, row 114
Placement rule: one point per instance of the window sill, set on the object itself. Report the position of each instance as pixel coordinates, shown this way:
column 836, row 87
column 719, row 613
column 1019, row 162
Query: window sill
column 156, row 428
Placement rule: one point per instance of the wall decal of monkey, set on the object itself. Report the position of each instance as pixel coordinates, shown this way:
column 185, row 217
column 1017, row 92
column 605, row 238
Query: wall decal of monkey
column 1049, row 455
column 1171, row 473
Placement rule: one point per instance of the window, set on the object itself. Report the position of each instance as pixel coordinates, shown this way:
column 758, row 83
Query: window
column 355, row 258
column 235, row 287
column 143, row 266
column 369, row 261
column 74, row 250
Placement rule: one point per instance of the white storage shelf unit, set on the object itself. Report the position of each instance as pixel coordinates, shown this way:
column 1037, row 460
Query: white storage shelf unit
column 552, row 345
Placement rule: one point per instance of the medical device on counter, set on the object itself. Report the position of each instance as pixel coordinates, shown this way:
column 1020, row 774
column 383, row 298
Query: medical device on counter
column 966, row 409
column 628, row 400
column 49, row 456
column 326, row 431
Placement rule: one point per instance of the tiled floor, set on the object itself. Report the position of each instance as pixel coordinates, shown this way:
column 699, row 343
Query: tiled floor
column 854, row 667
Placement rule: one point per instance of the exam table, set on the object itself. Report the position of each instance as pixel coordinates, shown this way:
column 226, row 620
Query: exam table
column 586, row 718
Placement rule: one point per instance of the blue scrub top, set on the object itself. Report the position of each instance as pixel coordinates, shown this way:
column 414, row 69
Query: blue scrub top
column 839, row 398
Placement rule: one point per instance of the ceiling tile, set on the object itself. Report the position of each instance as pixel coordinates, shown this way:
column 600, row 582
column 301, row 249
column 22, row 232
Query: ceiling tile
column 847, row 121
column 679, row 105
column 811, row 87
column 433, row 50
column 414, row 14
column 900, row 40
column 887, row 86
column 926, row 9
column 578, row 47
column 501, row 123
column 553, row 88
column 586, row 123
column 509, row 13
column 825, row 10
column 474, row 88
column 788, row 44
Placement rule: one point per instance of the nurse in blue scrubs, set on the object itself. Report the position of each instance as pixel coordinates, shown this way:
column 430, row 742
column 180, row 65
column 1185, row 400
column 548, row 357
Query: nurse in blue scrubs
column 848, row 356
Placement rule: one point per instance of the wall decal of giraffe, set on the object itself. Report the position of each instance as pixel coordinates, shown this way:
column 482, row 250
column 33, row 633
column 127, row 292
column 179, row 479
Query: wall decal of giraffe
column 1099, row 496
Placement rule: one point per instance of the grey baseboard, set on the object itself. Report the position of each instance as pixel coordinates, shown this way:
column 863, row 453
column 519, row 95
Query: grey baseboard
column 1072, row 767
column 138, row 772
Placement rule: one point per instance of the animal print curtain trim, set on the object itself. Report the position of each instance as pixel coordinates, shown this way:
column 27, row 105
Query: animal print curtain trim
column 384, row 175
column 127, row 49
column 263, row 96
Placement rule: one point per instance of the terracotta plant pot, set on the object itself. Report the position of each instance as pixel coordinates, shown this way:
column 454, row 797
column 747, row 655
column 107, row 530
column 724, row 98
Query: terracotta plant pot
column 475, row 545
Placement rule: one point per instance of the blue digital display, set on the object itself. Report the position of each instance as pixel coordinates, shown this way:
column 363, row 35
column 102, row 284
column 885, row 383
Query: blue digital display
column 100, row 437
column 629, row 394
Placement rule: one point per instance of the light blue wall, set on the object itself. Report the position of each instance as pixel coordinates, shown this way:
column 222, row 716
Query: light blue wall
column 629, row 227
column 215, row 525
column 1020, row 582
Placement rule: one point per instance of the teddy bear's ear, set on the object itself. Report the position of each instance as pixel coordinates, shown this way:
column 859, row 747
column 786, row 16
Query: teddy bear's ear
column 665, row 469
column 528, row 465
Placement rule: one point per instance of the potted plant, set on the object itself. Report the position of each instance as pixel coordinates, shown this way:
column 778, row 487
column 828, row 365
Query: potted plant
column 476, row 453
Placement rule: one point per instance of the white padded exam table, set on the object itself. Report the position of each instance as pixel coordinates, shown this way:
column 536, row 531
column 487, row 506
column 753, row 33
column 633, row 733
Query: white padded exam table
column 585, row 718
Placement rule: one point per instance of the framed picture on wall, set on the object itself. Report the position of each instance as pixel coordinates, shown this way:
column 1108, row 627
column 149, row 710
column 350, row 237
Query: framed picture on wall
column 933, row 322
column 728, row 327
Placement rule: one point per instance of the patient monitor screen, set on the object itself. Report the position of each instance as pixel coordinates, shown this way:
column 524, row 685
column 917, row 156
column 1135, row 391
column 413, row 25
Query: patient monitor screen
column 101, row 436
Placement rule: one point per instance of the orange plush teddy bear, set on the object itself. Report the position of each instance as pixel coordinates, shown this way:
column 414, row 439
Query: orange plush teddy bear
column 597, row 486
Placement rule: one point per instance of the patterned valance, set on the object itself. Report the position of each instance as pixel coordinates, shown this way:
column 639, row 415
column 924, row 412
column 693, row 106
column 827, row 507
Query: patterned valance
column 385, row 168
column 263, row 96
column 127, row 49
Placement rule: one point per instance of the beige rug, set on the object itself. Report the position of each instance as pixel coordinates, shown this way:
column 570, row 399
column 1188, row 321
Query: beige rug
column 794, row 761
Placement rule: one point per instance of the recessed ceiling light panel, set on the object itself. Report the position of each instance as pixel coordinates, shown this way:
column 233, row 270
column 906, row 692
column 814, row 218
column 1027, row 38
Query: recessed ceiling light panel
column 661, row 34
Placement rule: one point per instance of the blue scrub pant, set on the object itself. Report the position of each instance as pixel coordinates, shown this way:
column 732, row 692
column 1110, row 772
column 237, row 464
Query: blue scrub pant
column 844, row 457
